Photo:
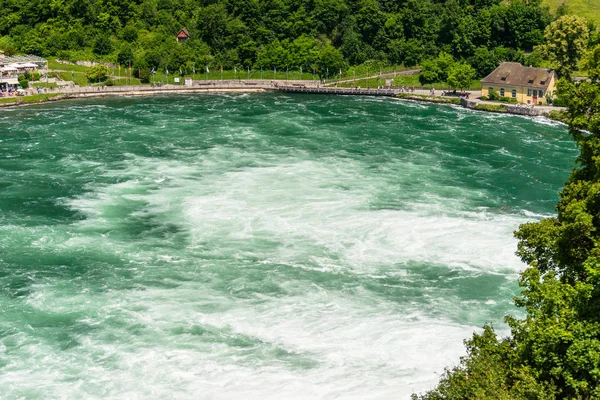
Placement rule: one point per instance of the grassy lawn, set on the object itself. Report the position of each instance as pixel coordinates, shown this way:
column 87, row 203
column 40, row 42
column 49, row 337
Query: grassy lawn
column 590, row 9
column 36, row 98
column 160, row 76
column 76, row 73
column 122, row 81
column 491, row 107
column 407, row 81
column 442, row 100
column 52, row 64
column 78, row 77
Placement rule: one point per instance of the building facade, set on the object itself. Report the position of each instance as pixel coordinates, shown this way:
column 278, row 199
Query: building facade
column 12, row 67
column 525, row 84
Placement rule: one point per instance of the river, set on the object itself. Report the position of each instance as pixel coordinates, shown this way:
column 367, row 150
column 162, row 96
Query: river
column 259, row 246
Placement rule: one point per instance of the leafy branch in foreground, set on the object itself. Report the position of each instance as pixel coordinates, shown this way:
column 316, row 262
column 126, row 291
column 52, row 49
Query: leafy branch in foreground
column 554, row 351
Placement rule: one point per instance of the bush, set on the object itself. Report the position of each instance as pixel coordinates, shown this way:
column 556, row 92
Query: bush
column 490, row 107
column 484, row 98
column 494, row 95
column 98, row 74
column 510, row 100
column 23, row 81
column 143, row 74
column 558, row 102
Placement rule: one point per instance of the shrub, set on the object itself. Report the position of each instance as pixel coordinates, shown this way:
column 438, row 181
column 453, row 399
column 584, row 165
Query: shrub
column 484, row 98
column 490, row 107
column 144, row 75
column 23, row 81
column 98, row 74
column 558, row 116
column 558, row 102
column 494, row 95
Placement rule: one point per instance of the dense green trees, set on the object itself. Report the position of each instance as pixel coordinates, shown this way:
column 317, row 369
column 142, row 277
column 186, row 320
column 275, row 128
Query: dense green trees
column 308, row 34
column 460, row 76
column 566, row 41
column 554, row 351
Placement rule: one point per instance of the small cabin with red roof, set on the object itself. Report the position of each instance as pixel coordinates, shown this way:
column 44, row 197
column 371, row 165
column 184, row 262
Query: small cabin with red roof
column 183, row 35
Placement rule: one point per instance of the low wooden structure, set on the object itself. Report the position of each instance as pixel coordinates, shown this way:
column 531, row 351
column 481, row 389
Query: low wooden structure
column 183, row 35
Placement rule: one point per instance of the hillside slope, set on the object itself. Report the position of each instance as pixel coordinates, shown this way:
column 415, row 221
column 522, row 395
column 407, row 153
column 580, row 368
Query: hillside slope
column 589, row 9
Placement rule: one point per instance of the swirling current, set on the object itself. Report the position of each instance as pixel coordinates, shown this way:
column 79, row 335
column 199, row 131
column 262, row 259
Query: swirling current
column 259, row 246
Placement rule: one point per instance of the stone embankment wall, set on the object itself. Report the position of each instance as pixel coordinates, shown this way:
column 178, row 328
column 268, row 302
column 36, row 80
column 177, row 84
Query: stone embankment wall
column 503, row 108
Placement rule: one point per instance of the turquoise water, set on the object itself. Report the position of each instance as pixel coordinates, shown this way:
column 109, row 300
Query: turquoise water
column 258, row 246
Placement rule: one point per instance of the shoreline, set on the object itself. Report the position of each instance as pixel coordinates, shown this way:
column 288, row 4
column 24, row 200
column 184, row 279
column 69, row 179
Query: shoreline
column 61, row 96
column 553, row 114
column 132, row 91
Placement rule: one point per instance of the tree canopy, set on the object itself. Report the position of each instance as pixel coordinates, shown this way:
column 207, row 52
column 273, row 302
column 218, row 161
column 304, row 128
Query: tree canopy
column 312, row 34
column 566, row 41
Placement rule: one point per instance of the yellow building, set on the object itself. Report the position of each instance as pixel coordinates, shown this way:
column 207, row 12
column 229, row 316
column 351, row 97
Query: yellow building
column 525, row 84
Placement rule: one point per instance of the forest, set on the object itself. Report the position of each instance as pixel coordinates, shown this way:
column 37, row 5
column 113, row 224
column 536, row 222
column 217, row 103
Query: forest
column 312, row 35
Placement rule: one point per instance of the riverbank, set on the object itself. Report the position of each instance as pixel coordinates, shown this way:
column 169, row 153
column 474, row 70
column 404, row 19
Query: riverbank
column 148, row 91
column 241, row 86
column 554, row 113
column 29, row 100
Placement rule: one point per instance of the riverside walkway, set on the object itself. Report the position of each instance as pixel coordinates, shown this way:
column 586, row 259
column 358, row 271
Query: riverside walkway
column 339, row 91
column 308, row 87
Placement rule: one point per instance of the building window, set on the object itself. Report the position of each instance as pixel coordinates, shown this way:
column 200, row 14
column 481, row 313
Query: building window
column 541, row 93
column 534, row 93
column 514, row 94
column 490, row 89
column 529, row 92
column 502, row 92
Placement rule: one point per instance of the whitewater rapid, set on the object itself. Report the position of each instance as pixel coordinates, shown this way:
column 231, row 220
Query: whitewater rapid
column 259, row 246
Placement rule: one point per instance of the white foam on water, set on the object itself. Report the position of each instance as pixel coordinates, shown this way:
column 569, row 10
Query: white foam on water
column 230, row 326
column 353, row 349
column 290, row 205
column 301, row 341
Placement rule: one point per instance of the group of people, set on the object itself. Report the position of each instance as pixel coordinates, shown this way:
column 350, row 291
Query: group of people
column 519, row 105
column 12, row 91
column 462, row 93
